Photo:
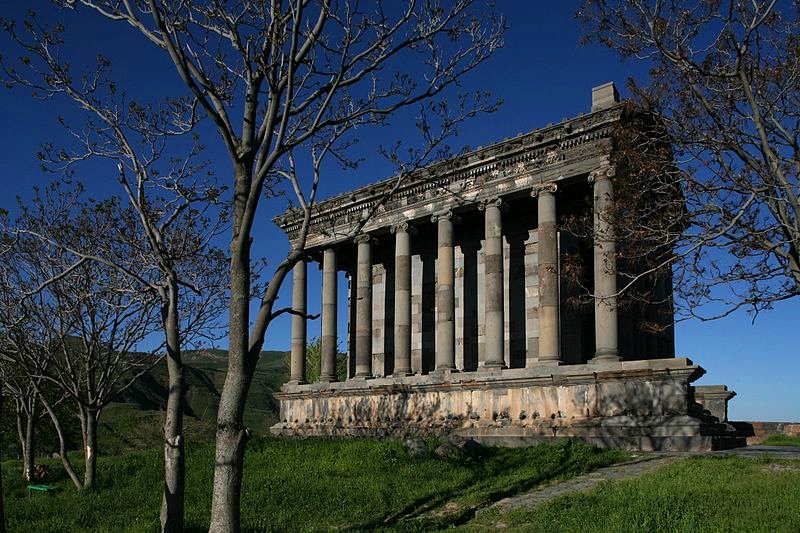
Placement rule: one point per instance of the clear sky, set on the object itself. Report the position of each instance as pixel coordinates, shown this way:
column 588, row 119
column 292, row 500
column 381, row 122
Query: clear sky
column 543, row 74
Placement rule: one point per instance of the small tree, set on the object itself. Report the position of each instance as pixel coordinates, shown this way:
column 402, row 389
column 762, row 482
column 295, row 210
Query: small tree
column 20, row 388
column 79, row 323
column 723, row 94
column 314, row 361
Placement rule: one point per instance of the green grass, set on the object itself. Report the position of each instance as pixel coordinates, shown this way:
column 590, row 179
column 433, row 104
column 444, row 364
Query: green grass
column 306, row 485
column 782, row 440
column 698, row 494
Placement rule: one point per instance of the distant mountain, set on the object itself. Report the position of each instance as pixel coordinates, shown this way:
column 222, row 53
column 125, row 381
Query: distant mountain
column 134, row 420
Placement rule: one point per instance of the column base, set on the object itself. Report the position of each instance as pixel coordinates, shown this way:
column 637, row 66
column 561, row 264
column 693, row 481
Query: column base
column 492, row 368
column 553, row 362
column 329, row 379
column 296, row 382
column 402, row 373
column 363, row 376
column 605, row 358
column 443, row 372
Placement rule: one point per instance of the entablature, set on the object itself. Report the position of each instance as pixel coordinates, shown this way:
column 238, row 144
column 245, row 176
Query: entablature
column 570, row 148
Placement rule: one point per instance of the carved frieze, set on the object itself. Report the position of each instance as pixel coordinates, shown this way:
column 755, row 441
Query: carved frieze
column 504, row 166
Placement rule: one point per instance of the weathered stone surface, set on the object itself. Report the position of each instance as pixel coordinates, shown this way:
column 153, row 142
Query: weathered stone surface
column 635, row 404
column 714, row 399
column 415, row 447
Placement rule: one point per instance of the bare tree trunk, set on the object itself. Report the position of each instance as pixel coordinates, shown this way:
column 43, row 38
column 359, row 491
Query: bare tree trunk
column 62, row 443
column 172, row 504
column 20, row 429
column 231, row 435
column 2, row 509
column 29, row 448
column 90, row 447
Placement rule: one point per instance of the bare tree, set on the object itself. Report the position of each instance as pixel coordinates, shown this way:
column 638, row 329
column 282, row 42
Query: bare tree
column 303, row 76
column 723, row 94
column 84, row 319
column 19, row 387
column 173, row 206
column 117, row 245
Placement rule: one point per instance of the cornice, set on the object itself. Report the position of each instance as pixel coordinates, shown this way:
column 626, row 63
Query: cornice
column 533, row 152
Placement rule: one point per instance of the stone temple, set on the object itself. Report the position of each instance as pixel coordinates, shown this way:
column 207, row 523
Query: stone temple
column 459, row 322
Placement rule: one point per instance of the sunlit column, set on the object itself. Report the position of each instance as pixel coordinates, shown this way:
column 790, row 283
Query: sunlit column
column 298, row 357
column 363, row 306
column 549, row 351
column 329, row 309
column 445, row 293
column 494, row 311
column 605, row 268
column 402, row 299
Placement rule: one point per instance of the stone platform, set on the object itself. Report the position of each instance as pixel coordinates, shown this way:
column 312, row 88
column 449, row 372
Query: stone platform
column 636, row 405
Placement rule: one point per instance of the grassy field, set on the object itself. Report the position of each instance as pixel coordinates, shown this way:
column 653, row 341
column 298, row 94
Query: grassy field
column 698, row 494
column 782, row 440
column 309, row 485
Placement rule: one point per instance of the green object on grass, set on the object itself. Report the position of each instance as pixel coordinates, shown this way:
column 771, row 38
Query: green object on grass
column 42, row 488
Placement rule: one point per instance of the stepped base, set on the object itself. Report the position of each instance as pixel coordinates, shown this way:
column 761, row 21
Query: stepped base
column 636, row 405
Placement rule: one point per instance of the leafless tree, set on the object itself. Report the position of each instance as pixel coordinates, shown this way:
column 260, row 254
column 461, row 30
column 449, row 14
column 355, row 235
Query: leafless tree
column 109, row 237
column 84, row 319
column 20, row 389
column 723, row 95
column 303, row 76
column 174, row 211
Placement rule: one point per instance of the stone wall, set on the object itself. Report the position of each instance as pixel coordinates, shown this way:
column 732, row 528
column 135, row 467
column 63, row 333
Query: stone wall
column 636, row 405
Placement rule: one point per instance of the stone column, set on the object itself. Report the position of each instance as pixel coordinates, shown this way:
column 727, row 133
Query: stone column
column 329, row 309
column 402, row 299
column 298, row 358
column 494, row 316
column 549, row 340
column 605, row 268
column 364, row 307
column 445, row 293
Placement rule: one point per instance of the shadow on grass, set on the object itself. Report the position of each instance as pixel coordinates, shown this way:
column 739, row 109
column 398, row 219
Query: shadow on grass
column 495, row 475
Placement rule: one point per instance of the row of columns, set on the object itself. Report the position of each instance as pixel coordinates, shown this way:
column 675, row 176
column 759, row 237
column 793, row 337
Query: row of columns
column 605, row 280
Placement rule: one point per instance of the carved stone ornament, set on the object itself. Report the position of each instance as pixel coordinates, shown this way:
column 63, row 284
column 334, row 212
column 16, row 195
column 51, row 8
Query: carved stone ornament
column 493, row 202
column 363, row 237
column 604, row 172
column 544, row 188
column 403, row 227
column 447, row 215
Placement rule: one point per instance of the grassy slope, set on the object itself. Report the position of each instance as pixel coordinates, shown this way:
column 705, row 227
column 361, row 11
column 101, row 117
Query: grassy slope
column 134, row 421
column 782, row 440
column 699, row 494
column 306, row 485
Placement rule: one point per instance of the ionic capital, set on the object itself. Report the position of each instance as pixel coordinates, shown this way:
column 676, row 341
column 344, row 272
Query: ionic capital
column 447, row 215
column 363, row 237
column 544, row 188
column 603, row 173
column 493, row 202
column 403, row 227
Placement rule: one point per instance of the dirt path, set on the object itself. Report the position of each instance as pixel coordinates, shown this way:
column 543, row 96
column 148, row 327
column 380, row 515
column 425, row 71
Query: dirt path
column 627, row 470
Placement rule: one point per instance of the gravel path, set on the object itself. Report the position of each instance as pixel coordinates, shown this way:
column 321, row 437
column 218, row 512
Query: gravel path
column 629, row 470
column 779, row 452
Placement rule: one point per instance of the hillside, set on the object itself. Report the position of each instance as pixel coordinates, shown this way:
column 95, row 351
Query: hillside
column 134, row 420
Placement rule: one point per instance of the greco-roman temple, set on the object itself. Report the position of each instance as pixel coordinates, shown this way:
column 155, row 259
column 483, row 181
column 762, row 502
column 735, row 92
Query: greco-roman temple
column 458, row 316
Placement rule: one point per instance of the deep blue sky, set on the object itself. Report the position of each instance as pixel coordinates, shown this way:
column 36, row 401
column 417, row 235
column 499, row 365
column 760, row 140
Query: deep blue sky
column 543, row 74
